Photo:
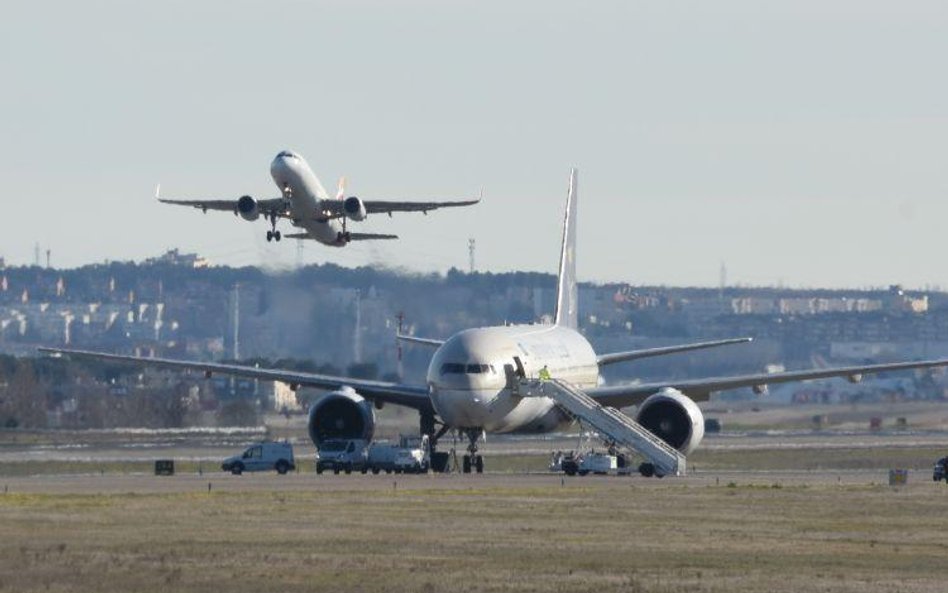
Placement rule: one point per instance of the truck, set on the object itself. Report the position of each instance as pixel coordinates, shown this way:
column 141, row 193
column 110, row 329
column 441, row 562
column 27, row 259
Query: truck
column 413, row 455
column 410, row 455
column 590, row 462
column 262, row 457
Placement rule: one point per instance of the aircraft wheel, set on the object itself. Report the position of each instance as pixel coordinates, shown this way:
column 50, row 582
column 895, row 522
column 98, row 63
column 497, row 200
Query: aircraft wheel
column 479, row 464
column 277, row 235
column 466, row 464
column 647, row 470
column 269, row 236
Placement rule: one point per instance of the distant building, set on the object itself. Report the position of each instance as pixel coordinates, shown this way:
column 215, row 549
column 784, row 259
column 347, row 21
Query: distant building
column 176, row 258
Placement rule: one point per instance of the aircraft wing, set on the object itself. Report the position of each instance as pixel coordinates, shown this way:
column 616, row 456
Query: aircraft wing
column 423, row 341
column 275, row 205
column 614, row 357
column 369, row 236
column 701, row 389
column 374, row 206
column 352, row 236
column 411, row 396
column 336, row 208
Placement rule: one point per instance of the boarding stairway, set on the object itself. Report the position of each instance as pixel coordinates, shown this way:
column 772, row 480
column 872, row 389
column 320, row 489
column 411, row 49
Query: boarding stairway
column 610, row 422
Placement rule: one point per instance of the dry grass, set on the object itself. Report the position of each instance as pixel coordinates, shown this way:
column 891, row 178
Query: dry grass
column 478, row 534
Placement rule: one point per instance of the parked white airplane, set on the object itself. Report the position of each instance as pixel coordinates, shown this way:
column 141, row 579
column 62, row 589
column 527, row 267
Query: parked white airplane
column 474, row 378
column 306, row 205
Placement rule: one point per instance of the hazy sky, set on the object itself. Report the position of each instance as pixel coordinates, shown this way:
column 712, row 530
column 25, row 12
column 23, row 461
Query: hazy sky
column 799, row 142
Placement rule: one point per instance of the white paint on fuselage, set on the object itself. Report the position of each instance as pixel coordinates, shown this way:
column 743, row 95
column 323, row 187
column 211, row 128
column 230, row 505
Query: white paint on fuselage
column 290, row 170
column 481, row 400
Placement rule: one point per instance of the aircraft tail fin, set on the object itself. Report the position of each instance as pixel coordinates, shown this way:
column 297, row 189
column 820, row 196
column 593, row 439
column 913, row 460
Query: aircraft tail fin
column 567, row 310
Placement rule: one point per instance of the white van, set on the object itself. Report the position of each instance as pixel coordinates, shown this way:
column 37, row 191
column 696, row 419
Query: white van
column 262, row 457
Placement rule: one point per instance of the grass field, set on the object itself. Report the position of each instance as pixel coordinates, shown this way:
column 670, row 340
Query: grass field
column 476, row 533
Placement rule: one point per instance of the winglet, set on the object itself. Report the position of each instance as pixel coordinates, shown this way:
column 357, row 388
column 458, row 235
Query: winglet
column 158, row 192
column 341, row 189
column 567, row 312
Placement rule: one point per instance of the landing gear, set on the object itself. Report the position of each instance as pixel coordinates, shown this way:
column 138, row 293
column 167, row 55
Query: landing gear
column 473, row 460
column 439, row 459
column 343, row 237
column 273, row 233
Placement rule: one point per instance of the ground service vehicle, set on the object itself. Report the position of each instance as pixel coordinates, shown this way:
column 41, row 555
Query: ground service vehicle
column 413, row 455
column 591, row 462
column 410, row 455
column 262, row 457
column 341, row 455
column 940, row 471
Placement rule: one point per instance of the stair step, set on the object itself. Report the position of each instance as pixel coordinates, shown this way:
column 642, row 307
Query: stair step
column 608, row 421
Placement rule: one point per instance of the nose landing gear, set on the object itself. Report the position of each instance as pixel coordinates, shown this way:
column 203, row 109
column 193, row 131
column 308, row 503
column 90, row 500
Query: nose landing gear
column 473, row 461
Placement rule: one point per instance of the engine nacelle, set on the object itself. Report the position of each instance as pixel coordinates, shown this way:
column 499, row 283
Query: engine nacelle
column 354, row 208
column 342, row 414
column 673, row 417
column 247, row 208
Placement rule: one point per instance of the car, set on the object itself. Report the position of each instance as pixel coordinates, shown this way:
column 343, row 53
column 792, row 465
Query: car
column 268, row 455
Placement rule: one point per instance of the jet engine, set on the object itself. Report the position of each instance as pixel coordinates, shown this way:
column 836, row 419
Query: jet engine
column 354, row 208
column 247, row 208
column 673, row 417
column 342, row 414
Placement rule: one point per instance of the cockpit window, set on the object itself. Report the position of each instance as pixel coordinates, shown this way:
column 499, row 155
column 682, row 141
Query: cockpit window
column 452, row 368
column 456, row 368
column 287, row 154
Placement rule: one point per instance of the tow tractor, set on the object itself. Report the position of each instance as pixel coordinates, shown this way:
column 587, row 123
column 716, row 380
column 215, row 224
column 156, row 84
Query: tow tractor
column 572, row 463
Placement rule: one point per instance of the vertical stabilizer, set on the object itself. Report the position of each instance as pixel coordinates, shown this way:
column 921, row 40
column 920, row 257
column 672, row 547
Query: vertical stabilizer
column 567, row 310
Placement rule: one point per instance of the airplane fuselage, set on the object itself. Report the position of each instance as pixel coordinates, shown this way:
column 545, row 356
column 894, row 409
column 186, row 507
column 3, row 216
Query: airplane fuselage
column 468, row 384
column 300, row 185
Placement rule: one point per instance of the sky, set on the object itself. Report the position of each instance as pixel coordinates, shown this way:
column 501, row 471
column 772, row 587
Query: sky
column 800, row 143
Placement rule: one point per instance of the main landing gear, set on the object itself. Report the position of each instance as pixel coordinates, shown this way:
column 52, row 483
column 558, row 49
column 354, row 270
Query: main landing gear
column 343, row 237
column 273, row 233
column 473, row 461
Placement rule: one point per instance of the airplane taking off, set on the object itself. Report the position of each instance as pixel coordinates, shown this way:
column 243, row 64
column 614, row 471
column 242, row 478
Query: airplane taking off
column 306, row 205
column 525, row 379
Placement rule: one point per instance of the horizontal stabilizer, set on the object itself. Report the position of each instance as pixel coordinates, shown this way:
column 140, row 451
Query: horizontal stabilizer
column 614, row 357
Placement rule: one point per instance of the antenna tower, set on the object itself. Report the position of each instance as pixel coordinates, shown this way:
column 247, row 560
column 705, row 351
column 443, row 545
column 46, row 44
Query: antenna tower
column 471, row 246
